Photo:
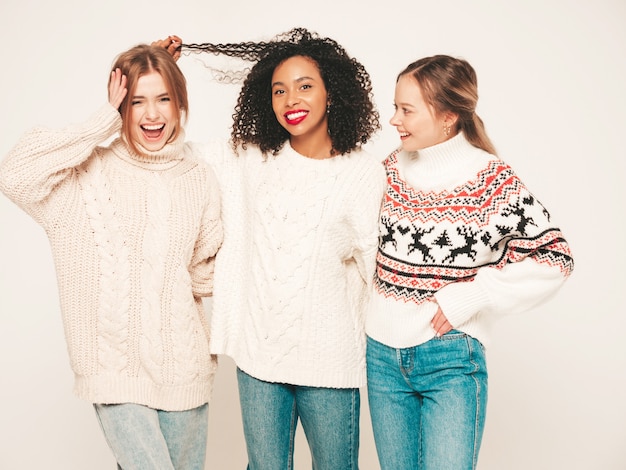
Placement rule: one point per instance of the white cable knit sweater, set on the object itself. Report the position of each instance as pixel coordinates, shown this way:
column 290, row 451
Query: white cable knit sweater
column 133, row 240
column 292, row 276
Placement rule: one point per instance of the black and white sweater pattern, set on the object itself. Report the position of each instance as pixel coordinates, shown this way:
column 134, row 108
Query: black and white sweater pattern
column 429, row 239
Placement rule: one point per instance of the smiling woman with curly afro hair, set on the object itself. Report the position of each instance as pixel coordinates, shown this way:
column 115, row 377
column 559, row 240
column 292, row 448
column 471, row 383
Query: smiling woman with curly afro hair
column 352, row 116
column 300, row 205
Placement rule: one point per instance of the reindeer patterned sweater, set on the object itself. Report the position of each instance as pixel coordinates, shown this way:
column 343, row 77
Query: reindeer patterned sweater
column 133, row 239
column 460, row 230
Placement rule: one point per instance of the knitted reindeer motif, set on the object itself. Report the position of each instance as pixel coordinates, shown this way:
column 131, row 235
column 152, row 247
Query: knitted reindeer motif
column 470, row 240
column 389, row 236
column 518, row 210
column 418, row 245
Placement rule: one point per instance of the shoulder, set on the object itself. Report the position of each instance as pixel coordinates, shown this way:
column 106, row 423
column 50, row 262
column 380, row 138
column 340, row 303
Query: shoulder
column 363, row 172
column 196, row 163
column 391, row 160
column 500, row 172
column 366, row 158
column 364, row 162
column 220, row 153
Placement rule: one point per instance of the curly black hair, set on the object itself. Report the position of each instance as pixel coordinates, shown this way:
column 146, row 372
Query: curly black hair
column 352, row 117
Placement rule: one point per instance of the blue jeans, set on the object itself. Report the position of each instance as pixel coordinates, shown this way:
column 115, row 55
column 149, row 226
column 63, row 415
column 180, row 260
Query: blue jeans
column 143, row 438
column 428, row 402
column 270, row 412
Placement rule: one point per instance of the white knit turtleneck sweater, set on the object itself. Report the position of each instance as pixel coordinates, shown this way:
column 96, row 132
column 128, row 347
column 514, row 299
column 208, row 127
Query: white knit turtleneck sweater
column 133, row 239
column 459, row 227
column 292, row 276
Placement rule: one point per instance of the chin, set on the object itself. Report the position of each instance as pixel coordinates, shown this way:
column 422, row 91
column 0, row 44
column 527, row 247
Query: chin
column 154, row 146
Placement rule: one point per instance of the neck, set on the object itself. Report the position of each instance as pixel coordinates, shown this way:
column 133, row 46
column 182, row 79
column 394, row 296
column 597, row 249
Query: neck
column 163, row 159
column 317, row 147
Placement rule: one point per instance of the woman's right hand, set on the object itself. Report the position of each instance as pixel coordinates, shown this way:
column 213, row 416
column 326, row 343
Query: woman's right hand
column 440, row 323
column 171, row 44
column 117, row 88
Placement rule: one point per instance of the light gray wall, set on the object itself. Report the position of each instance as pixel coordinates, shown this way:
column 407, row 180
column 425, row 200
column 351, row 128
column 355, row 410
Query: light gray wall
column 551, row 77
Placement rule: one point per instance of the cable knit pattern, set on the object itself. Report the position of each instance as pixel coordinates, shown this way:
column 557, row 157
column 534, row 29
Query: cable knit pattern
column 114, row 274
column 291, row 277
column 473, row 244
column 155, row 247
column 133, row 239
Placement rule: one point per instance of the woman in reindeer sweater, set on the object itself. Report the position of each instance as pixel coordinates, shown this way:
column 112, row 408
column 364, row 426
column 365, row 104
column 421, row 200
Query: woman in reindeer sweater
column 134, row 228
column 462, row 242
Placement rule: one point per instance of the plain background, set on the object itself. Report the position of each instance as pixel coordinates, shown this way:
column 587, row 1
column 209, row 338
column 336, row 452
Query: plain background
column 552, row 77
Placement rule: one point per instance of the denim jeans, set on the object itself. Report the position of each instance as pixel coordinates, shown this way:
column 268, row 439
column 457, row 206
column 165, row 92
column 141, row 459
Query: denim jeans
column 428, row 402
column 143, row 438
column 270, row 412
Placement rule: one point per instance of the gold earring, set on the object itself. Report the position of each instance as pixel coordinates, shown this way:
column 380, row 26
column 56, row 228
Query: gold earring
column 446, row 129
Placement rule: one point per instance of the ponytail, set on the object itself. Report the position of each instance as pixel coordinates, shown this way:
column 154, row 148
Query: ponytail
column 475, row 133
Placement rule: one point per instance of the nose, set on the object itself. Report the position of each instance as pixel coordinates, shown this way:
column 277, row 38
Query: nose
column 292, row 99
column 395, row 120
column 151, row 111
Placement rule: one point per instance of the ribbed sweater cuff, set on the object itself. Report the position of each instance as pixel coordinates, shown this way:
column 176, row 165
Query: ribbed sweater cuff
column 459, row 301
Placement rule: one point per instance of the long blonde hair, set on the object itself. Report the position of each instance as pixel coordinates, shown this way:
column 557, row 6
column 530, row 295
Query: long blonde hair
column 449, row 84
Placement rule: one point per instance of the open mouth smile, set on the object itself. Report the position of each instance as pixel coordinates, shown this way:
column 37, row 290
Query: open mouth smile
column 295, row 117
column 152, row 131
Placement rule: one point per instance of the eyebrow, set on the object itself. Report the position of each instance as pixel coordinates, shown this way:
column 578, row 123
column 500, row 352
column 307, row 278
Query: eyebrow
column 299, row 79
column 143, row 97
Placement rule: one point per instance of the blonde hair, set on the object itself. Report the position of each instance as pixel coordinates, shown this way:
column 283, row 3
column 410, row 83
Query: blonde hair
column 142, row 60
column 449, row 84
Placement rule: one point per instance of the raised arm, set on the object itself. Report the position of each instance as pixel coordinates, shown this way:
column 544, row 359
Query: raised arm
column 43, row 158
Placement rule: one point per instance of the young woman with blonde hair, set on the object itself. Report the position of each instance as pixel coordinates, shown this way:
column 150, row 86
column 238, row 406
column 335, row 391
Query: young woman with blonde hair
column 463, row 242
column 134, row 227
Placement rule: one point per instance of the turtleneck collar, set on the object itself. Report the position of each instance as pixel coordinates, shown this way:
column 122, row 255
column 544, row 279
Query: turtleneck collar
column 441, row 157
column 442, row 166
column 164, row 159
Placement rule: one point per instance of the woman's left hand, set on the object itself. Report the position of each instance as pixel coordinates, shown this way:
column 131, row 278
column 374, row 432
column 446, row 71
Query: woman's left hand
column 171, row 44
column 440, row 323
column 117, row 88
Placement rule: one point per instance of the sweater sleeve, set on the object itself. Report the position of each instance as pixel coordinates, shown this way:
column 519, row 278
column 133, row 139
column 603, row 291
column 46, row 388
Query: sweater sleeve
column 43, row 158
column 368, row 202
column 209, row 240
column 532, row 266
column 515, row 288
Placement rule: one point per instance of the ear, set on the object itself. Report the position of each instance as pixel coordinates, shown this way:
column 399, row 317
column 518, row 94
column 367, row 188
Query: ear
column 450, row 119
